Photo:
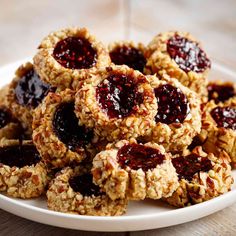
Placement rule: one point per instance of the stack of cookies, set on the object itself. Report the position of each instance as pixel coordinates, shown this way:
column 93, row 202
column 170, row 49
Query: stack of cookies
column 94, row 127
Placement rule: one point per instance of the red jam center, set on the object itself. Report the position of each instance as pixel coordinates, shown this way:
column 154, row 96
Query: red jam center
column 19, row 155
column 118, row 95
column 84, row 185
column 220, row 93
column 137, row 156
column 66, row 127
column 187, row 54
column 225, row 117
column 187, row 167
column 5, row 118
column 31, row 90
column 125, row 55
column 172, row 104
column 75, row 53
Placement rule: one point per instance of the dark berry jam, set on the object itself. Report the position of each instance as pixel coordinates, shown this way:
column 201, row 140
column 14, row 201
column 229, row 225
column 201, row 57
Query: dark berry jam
column 187, row 54
column 5, row 117
column 75, row 53
column 225, row 117
column 84, row 184
column 125, row 55
column 196, row 142
column 187, row 167
column 220, row 93
column 172, row 104
column 137, row 156
column 31, row 90
column 19, row 155
column 118, row 96
column 66, row 127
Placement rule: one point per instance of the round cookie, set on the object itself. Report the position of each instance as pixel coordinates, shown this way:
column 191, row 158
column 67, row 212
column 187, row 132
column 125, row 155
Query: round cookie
column 202, row 177
column 57, row 135
column 67, row 56
column 118, row 102
column 73, row 191
column 221, row 91
column 219, row 128
column 22, row 173
column 135, row 171
column 178, row 116
column 128, row 53
column 180, row 56
column 25, row 93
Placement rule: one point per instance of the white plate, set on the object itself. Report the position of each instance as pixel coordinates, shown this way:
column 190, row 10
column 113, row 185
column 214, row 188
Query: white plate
column 141, row 215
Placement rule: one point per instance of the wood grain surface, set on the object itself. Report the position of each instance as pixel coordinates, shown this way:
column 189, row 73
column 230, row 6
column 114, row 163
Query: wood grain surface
column 24, row 23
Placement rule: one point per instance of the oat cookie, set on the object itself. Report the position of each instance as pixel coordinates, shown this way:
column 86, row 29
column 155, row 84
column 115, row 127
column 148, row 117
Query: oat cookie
column 57, row 135
column 73, row 191
column 219, row 128
column 22, row 173
column 118, row 102
column 26, row 92
column 202, row 176
column 178, row 117
column 180, row 56
column 135, row 171
column 128, row 53
column 68, row 55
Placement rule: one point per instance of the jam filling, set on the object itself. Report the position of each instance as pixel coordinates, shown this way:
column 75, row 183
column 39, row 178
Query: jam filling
column 129, row 56
column 31, row 90
column 187, row 54
column 68, row 131
column 75, row 53
column 225, row 117
column 187, row 167
column 19, row 155
column 118, row 96
column 84, row 184
column 5, row 118
column 137, row 156
column 220, row 93
column 172, row 104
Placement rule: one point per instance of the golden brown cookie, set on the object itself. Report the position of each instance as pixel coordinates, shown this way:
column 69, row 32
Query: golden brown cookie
column 178, row 116
column 57, row 135
column 180, row 56
column 221, row 91
column 69, row 55
column 219, row 128
column 118, row 102
column 135, row 171
column 73, row 191
column 128, row 53
column 202, row 177
column 25, row 92
column 22, row 173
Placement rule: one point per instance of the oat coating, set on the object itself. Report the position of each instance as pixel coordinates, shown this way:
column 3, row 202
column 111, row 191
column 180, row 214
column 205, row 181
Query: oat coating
column 118, row 182
column 177, row 136
column 56, row 74
column 160, row 62
column 204, row 185
column 25, row 182
column 89, row 111
column 62, row 197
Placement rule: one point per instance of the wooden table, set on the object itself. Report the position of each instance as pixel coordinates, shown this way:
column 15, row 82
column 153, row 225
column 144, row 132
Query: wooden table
column 24, row 23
